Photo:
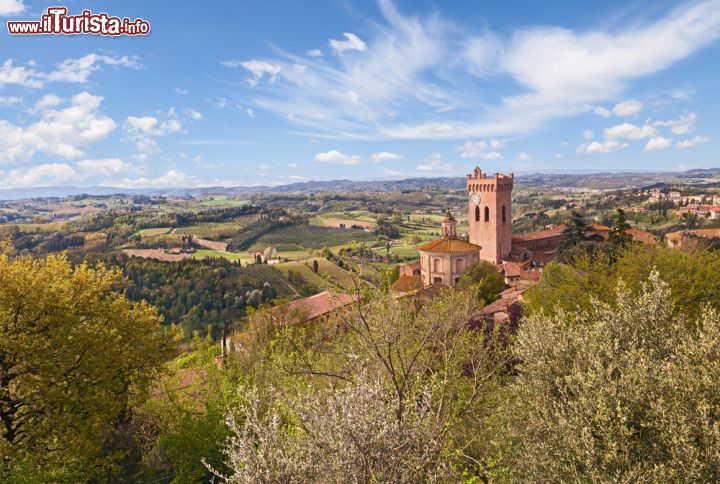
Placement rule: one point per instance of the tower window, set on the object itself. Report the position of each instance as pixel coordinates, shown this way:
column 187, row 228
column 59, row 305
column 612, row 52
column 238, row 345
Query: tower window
column 477, row 214
column 487, row 214
column 503, row 214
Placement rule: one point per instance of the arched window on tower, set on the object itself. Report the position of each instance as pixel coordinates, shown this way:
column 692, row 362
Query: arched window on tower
column 477, row 214
column 487, row 214
column 503, row 214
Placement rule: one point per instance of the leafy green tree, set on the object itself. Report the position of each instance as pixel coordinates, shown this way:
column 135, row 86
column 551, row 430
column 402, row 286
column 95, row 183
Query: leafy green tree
column 621, row 392
column 694, row 279
column 73, row 354
column 619, row 236
column 400, row 393
column 576, row 238
column 483, row 280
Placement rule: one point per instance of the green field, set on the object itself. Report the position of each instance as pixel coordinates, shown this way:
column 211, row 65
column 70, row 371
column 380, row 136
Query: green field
column 401, row 251
column 306, row 272
column 224, row 202
column 327, row 276
column 267, row 273
column 311, row 237
column 205, row 253
column 153, row 232
column 216, row 230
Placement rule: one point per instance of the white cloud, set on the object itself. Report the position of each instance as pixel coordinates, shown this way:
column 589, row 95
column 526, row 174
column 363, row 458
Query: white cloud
column 20, row 75
column 522, row 156
column 336, row 157
column 47, row 101
column 689, row 143
column 50, row 174
column 293, row 166
column 69, row 70
column 588, row 134
column 142, row 130
column 601, row 111
column 173, row 178
column 196, row 116
column 10, row 100
column 78, row 70
column 597, row 147
column 257, row 68
column 478, row 149
column 629, row 131
column 106, row 166
column 58, row 132
column 683, row 125
column 352, row 42
column 314, row 53
column 627, row 108
column 181, row 91
column 385, row 156
column 433, row 164
column 657, row 144
column 11, row 7
column 408, row 76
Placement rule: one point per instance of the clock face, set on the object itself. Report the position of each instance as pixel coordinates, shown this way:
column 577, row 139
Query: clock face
column 475, row 199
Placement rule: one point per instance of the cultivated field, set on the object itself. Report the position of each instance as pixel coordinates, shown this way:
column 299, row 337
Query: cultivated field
column 312, row 237
column 155, row 254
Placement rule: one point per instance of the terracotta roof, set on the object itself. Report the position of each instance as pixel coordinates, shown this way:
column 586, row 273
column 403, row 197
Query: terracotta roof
column 318, row 305
column 642, row 236
column 407, row 284
column 706, row 233
column 511, row 269
column 448, row 245
column 540, row 234
column 599, row 227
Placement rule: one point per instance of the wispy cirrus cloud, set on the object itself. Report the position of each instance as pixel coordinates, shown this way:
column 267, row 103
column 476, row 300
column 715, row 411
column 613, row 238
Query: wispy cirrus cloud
column 427, row 78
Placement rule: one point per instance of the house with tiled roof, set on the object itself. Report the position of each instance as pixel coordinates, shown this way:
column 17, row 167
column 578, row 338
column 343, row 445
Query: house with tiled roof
column 310, row 308
column 642, row 236
column 444, row 260
column 690, row 239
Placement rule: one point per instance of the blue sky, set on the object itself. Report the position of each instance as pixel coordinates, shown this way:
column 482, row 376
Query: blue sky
column 272, row 92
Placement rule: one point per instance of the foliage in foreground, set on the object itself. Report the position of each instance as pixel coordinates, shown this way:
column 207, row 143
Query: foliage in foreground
column 399, row 394
column 621, row 392
column 694, row 279
column 74, row 353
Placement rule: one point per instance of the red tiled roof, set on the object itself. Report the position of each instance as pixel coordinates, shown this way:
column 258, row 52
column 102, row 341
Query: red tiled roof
column 599, row 227
column 449, row 245
column 642, row 236
column 407, row 284
column 318, row 305
column 540, row 234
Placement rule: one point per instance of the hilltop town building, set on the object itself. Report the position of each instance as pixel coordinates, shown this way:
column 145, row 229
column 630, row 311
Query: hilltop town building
column 444, row 260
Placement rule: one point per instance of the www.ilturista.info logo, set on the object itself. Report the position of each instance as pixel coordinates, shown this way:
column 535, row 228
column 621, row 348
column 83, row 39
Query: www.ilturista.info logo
column 57, row 22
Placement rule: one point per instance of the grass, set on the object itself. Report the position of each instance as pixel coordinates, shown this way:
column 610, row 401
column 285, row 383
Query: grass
column 153, row 232
column 312, row 237
column 224, row 202
column 306, row 272
column 327, row 276
column 216, row 230
column 206, row 253
column 268, row 273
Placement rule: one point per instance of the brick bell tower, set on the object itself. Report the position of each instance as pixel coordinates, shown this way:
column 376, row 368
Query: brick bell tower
column 490, row 214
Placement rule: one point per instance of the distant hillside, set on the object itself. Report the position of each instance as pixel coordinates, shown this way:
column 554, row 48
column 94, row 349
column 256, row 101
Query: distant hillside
column 601, row 181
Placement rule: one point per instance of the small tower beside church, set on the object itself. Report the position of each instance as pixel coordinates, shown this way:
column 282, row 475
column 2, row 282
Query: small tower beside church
column 490, row 214
column 449, row 225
